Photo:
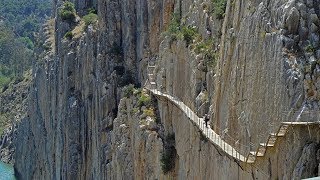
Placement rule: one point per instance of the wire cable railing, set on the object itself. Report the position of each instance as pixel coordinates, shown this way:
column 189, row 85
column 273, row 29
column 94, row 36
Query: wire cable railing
column 233, row 148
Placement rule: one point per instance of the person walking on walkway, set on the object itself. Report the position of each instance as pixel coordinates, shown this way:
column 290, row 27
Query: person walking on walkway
column 206, row 119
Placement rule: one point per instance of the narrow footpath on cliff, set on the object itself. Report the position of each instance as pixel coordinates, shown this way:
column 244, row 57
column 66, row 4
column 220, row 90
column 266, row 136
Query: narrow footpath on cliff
column 215, row 138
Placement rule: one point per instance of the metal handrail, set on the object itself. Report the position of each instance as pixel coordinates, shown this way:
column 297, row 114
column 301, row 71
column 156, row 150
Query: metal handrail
column 215, row 138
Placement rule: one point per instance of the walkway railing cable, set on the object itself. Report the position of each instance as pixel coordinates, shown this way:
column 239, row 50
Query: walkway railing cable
column 215, row 138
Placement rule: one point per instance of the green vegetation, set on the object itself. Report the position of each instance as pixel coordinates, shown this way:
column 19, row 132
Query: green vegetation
column 309, row 48
column 128, row 90
column 3, row 122
column 90, row 18
column 68, row 12
column 92, row 10
column 134, row 110
column 192, row 37
column 263, row 34
column 17, row 90
column 188, row 33
column 167, row 160
column 27, row 42
column 68, row 35
column 205, row 47
column 4, row 81
column 183, row 32
column 20, row 20
column 15, row 57
column 149, row 112
column 144, row 100
column 168, row 155
column 174, row 27
column 24, row 17
column 219, row 8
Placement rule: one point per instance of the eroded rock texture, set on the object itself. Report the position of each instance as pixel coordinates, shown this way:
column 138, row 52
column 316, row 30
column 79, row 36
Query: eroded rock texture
column 267, row 71
column 80, row 126
column 76, row 91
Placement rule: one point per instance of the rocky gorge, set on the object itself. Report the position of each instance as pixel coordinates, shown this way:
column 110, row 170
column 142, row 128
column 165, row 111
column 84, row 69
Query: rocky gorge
column 250, row 65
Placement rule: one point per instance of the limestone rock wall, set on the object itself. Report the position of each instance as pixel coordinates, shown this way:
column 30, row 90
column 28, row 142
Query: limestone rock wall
column 267, row 71
column 294, row 156
column 136, row 144
column 263, row 77
column 79, row 126
column 74, row 97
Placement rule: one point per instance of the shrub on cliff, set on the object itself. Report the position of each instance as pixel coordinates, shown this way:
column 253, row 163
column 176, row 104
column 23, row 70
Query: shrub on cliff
column 149, row 112
column 144, row 100
column 309, row 48
column 68, row 35
column 92, row 10
column 205, row 47
column 177, row 30
column 90, row 18
column 219, row 8
column 4, row 83
column 174, row 27
column 128, row 90
column 167, row 159
column 188, row 33
column 68, row 12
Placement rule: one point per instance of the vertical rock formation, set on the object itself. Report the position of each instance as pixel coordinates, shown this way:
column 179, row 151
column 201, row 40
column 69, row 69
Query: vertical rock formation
column 267, row 71
column 76, row 91
column 80, row 126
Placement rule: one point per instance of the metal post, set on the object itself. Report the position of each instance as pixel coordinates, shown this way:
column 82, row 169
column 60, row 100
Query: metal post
column 222, row 144
column 232, row 151
column 188, row 113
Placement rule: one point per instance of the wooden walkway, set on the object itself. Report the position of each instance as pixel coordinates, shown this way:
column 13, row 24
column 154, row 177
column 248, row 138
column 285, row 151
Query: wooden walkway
column 215, row 138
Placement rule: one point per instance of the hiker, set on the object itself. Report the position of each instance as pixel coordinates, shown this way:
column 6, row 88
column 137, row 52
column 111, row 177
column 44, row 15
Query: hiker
column 206, row 119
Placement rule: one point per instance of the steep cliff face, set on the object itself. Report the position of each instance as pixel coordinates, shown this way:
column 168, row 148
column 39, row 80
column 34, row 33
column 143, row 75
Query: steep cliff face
column 268, row 68
column 246, row 70
column 76, row 91
column 136, row 142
